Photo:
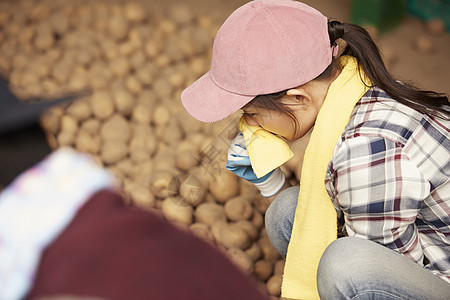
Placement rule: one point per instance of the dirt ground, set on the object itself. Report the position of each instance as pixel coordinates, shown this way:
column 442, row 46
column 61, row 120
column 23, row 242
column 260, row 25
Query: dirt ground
column 428, row 71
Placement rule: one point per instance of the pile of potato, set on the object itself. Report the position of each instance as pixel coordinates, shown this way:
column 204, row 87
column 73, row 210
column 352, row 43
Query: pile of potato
column 136, row 61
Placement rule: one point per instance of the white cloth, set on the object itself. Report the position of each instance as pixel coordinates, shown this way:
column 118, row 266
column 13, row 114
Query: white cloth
column 36, row 207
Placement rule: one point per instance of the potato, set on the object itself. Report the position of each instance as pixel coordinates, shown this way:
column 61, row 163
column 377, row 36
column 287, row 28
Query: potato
column 144, row 144
column 44, row 40
column 241, row 259
column 176, row 213
column 4, row 14
column 254, row 252
column 174, row 51
column 232, row 236
column 188, row 124
column 170, row 134
column 141, row 114
column 118, row 27
column 224, row 186
column 137, row 58
column 152, row 48
column 186, row 159
column 126, row 167
column 65, row 138
column 116, row 128
column 269, row 252
column 167, row 26
column 28, row 79
column 192, row 191
column 123, row 101
column 161, row 86
column 33, row 90
column 52, row 89
column 193, row 140
column 148, row 98
column 263, row 269
column 146, row 73
column 59, row 23
column 134, row 12
column 119, row 66
column 248, row 190
column 139, row 155
column 142, row 198
column 52, row 141
column 40, row 66
column 176, row 78
column 133, row 84
column 249, row 228
column 69, row 123
column 144, row 169
column 127, row 48
column 79, row 109
column 257, row 219
column 78, row 81
column 87, row 142
column 112, row 151
column 216, row 228
column 238, row 208
column 182, row 14
column 261, row 203
column 91, row 125
column 102, row 105
column 202, row 230
column 159, row 182
column 210, row 213
column 99, row 76
column 198, row 65
column 161, row 115
column 62, row 70
column 274, row 285
column 204, row 20
column 137, row 35
column 87, row 55
column 279, row 267
column 51, row 120
column 164, row 160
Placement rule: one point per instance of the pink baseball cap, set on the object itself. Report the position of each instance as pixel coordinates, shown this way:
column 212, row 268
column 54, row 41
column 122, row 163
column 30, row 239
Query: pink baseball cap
column 264, row 46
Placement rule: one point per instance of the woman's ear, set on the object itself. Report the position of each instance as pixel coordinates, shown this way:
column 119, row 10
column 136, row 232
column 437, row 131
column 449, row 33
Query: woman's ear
column 300, row 96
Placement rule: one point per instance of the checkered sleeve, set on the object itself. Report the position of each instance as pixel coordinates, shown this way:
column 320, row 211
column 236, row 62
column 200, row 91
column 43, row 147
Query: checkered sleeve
column 380, row 192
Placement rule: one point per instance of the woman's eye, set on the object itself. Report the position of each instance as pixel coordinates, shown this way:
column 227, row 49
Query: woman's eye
column 249, row 114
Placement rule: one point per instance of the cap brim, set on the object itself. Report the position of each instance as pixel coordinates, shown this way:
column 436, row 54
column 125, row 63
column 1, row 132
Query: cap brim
column 207, row 102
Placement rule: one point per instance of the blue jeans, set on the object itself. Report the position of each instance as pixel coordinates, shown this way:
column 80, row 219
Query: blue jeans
column 355, row 268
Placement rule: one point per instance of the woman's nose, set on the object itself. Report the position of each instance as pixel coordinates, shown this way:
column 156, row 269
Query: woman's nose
column 251, row 121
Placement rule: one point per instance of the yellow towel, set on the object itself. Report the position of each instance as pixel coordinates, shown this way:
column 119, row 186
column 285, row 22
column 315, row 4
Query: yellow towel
column 315, row 217
column 265, row 150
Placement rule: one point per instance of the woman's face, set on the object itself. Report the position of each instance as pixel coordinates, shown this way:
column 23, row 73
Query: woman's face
column 280, row 123
column 304, row 102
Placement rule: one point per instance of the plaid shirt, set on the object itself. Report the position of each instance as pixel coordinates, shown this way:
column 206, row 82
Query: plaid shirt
column 389, row 179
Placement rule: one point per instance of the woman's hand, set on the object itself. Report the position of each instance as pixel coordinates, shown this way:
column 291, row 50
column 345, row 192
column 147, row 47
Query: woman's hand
column 239, row 163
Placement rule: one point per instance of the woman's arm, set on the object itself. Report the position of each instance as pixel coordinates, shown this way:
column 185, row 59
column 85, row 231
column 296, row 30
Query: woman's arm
column 380, row 192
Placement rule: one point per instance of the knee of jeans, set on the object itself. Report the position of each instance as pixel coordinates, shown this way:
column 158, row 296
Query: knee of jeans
column 332, row 265
column 337, row 267
column 282, row 210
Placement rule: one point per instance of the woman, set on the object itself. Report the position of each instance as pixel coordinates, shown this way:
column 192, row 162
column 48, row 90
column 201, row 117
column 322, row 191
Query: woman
column 378, row 155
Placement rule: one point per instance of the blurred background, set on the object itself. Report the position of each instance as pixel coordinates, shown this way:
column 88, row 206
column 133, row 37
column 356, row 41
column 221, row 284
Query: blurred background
column 137, row 57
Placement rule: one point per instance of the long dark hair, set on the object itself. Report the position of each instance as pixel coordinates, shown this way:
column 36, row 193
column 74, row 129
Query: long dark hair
column 361, row 46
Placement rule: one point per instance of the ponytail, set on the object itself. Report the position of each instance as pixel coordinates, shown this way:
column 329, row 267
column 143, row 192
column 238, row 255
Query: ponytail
column 361, row 46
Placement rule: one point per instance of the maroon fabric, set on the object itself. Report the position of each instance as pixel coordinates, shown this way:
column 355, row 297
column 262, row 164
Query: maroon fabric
column 115, row 252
